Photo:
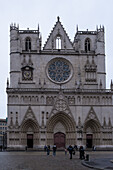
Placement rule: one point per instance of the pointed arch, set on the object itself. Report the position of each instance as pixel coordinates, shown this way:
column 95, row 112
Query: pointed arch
column 29, row 120
column 27, row 44
column 67, row 122
column 92, row 128
column 87, row 45
column 29, row 125
column 58, row 42
column 93, row 124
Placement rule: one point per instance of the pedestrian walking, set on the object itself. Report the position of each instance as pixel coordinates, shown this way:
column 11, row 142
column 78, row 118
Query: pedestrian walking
column 75, row 147
column 65, row 151
column 82, row 153
column 48, row 150
column 54, row 150
column 45, row 147
column 70, row 149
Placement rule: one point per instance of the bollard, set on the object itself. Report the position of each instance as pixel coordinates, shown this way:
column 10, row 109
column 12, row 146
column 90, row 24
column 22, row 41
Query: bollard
column 87, row 157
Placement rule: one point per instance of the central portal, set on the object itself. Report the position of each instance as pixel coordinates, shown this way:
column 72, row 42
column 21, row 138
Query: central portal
column 30, row 140
column 59, row 140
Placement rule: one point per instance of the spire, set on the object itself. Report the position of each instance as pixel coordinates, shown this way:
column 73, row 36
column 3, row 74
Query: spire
column 24, row 60
column 18, row 26
column 109, row 122
column 103, row 28
column 7, row 83
column 111, row 85
column 30, row 62
column 104, row 123
column 40, row 37
column 100, row 84
column 77, row 28
column 16, row 123
column 97, row 28
column 58, row 18
column 38, row 28
column 40, row 41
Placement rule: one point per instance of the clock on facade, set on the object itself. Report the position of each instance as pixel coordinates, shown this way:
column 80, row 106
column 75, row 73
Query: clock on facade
column 27, row 73
column 59, row 70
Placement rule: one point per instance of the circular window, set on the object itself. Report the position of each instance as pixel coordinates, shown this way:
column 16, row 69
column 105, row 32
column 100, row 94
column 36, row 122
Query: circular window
column 59, row 70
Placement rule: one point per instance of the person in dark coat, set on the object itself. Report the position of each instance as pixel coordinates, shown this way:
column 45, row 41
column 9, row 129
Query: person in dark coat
column 48, row 149
column 81, row 150
column 75, row 147
column 45, row 147
column 70, row 149
column 54, row 149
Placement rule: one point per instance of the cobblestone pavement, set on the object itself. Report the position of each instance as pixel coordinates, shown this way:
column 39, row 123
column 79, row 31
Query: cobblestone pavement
column 40, row 161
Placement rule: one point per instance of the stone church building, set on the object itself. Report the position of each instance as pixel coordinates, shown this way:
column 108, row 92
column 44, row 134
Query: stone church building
column 57, row 93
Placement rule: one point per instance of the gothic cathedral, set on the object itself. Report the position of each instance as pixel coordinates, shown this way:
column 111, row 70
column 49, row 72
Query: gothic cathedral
column 57, row 94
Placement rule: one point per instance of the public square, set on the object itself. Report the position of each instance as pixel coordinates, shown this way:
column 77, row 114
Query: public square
column 40, row 161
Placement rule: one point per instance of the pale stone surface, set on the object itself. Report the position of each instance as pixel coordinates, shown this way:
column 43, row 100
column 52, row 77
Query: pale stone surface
column 78, row 107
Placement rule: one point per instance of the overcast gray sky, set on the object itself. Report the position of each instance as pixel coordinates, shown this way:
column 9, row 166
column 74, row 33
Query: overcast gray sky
column 28, row 13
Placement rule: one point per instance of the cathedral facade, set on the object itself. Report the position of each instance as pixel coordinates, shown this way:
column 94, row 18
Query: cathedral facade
column 57, row 94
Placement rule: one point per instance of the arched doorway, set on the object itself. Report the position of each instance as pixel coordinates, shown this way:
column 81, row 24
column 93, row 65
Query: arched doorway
column 30, row 140
column 91, row 133
column 29, row 130
column 59, row 140
column 63, row 123
column 30, row 133
column 89, row 140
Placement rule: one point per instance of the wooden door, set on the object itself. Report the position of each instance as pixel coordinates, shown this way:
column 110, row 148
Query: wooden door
column 59, row 140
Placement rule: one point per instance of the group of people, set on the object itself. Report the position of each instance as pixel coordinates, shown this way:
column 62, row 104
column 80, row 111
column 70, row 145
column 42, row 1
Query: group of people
column 47, row 149
column 75, row 148
column 70, row 149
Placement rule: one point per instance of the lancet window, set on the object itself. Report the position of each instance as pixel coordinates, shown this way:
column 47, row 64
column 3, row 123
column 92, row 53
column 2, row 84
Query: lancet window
column 28, row 44
column 58, row 42
column 87, row 45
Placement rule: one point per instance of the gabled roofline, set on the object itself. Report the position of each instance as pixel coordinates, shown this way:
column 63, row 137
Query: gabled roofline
column 58, row 21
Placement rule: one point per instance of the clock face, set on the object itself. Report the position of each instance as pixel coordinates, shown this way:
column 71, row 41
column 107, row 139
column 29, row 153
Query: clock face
column 59, row 70
column 27, row 75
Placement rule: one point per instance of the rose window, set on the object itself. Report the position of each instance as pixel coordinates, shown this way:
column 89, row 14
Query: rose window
column 59, row 70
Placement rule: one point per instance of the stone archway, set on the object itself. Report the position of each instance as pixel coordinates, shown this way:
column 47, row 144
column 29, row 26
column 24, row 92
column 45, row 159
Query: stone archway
column 91, row 133
column 67, row 125
column 29, row 130
column 29, row 133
